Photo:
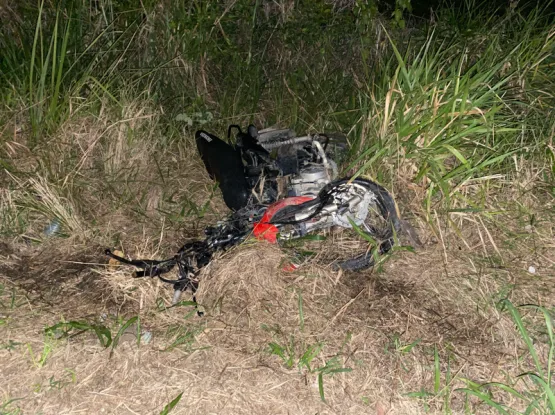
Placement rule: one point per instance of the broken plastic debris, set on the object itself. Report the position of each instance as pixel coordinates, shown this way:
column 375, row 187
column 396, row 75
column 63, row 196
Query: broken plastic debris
column 531, row 269
column 146, row 337
column 53, row 228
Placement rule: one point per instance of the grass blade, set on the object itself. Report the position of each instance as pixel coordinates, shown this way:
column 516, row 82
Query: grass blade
column 309, row 355
column 486, row 399
column 321, row 386
column 301, row 312
column 121, row 331
column 437, row 371
column 506, row 388
column 549, row 326
column 363, row 234
column 524, row 334
column 58, row 80
column 546, row 388
column 102, row 332
column 171, row 405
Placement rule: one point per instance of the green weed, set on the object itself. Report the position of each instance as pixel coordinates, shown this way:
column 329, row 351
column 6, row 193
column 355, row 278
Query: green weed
column 438, row 392
column 298, row 354
column 285, row 352
column 74, row 328
column 397, row 345
column 7, row 407
column 62, row 382
column 301, row 310
column 122, row 330
column 103, row 333
column 168, row 408
column 183, row 337
column 10, row 345
column 39, row 360
column 534, row 388
column 331, row 367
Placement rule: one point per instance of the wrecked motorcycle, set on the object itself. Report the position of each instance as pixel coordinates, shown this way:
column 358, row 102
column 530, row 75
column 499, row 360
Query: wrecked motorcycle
column 280, row 187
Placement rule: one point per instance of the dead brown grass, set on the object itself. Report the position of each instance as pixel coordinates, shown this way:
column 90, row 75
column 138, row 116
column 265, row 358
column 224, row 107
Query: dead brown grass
column 116, row 188
column 441, row 296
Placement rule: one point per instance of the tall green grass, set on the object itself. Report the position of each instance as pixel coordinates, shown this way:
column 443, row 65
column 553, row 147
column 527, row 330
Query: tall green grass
column 446, row 105
column 450, row 111
column 529, row 392
column 311, row 66
column 532, row 389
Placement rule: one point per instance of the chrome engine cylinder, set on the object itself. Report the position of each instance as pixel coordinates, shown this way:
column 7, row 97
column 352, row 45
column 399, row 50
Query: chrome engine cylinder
column 310, row 180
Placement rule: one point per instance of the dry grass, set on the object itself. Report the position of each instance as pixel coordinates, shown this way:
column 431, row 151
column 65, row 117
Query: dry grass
column 439, row 296
column 101, row 150
column 383, row 324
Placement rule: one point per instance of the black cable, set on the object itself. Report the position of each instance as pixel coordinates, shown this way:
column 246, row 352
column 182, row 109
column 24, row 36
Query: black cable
column 141, row 263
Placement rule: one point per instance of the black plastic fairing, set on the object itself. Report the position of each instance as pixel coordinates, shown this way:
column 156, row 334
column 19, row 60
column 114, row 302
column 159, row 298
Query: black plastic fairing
column 224, row 165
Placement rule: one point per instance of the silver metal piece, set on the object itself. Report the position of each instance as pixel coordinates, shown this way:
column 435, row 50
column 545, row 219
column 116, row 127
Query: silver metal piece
column 312, row 173
column 304, row 215
column 275, row 136
column 176, row 296
column 331, row 169
column 325, row 222
column 279, row 142
column 358, row 199
column 310, row 180
column 206, row 137
column 354, row 201
column 312, row 177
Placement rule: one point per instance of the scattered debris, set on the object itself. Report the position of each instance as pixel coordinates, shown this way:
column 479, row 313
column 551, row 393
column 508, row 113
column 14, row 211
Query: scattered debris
column 280, row 187
column 146, row 337
column 53, row 228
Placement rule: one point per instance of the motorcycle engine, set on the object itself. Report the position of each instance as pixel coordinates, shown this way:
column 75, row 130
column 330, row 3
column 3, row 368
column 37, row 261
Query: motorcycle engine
column 303, row 166
column 303, row 161
column 310, row 180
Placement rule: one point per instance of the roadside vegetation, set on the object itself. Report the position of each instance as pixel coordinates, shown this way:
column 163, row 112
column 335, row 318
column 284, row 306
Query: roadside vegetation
column 453, row 112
